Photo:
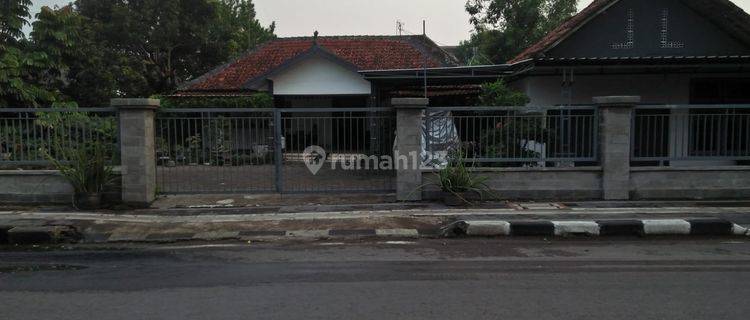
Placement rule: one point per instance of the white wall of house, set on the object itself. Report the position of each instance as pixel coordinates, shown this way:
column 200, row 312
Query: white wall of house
column 319, row 76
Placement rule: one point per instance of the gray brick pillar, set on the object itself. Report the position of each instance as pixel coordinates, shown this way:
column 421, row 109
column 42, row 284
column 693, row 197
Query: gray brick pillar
column 616, row 118
column 137, row 150
column 407, row 156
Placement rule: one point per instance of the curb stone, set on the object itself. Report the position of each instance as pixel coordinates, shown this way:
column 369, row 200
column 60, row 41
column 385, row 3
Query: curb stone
column 650, row 227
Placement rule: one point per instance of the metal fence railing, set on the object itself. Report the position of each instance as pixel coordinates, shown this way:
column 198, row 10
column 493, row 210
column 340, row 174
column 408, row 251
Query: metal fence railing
column 691, row 133
column 214, row 150
column 502, row 136
column 31, row 136
column 208, row 150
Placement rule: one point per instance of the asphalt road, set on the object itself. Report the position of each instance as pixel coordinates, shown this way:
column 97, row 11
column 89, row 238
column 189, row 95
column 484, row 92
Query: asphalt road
column 435, row 279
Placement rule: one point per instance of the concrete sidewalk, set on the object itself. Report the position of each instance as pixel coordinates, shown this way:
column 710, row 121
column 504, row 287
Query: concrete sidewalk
column 400, row 222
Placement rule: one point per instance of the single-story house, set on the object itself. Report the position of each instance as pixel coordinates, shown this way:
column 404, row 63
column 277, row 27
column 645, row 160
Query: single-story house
column 319, row 71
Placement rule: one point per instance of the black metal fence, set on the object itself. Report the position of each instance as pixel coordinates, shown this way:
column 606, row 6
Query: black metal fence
column 664, row 134
column 33, row 136
column 514, row 137
column 268, row 150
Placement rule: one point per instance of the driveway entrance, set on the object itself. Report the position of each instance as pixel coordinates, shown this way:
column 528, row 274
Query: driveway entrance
column 300, row 150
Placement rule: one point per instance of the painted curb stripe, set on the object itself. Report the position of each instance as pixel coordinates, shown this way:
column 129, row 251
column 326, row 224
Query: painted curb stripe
column 488, row 228
column 666, row 227
column 739, row 230
column 710, row 227
column 565, row 228
column 620, row 227
column 532, row 228
column 715, row 227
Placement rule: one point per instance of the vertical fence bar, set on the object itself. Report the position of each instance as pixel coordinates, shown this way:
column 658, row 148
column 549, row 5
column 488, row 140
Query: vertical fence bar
column 278, row 154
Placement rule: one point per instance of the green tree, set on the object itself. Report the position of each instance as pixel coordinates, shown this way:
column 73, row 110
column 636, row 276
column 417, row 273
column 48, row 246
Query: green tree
column 504, row 28
column 168, row 42
column 23, row 69
column 498, row 94
column 238, row 28
column 85, row 70
column 15, row 15
column 94, row 50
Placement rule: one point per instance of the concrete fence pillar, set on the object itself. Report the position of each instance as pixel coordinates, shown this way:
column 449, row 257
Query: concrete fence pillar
column 409, row 118
column 137, row 150
column 616, row 119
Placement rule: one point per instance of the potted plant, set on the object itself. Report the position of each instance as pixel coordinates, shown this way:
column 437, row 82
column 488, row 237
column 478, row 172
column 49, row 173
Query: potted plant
column 458, row 184
column 87, row 168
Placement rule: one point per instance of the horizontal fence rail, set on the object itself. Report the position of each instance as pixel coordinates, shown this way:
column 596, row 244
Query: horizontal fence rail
column 503, row 136
column 691, row 133
column 34, row 136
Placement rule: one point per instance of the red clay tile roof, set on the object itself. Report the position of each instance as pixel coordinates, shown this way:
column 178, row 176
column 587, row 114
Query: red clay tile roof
column 364, row 52
column 723, row 13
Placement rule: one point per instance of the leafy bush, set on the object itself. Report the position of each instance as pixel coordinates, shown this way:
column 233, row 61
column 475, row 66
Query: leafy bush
column 458, row 180
column 86, row 167
column 258, row 100
column 498, row 94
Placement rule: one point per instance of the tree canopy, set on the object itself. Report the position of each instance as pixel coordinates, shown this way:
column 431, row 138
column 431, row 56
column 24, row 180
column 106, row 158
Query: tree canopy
column 24, row 68
column 504, row 28
column 94, row 50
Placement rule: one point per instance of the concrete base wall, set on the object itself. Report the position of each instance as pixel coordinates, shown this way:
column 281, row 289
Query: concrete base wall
column 34, row 187
column 694, row 183
column 536, row 183
column 570, row 184
column 41, row 187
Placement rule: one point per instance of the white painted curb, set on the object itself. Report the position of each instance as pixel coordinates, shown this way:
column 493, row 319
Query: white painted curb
column 666, row 227
column 567, row 228
column 738, row 230
column 488, row 228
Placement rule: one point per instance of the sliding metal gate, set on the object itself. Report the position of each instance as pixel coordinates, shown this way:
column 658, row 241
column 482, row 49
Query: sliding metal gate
column 301, row 150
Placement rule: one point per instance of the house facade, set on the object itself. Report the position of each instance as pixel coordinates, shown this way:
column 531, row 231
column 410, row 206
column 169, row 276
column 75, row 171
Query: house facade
column 320, row 72
column 666, row 51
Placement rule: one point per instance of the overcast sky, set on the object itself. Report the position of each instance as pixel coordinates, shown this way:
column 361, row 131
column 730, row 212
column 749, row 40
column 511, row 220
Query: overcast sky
column 447, row 22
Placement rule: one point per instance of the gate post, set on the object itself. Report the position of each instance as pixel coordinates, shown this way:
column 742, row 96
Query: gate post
column 615, row 137
column 137, row 150
column 406, row 158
